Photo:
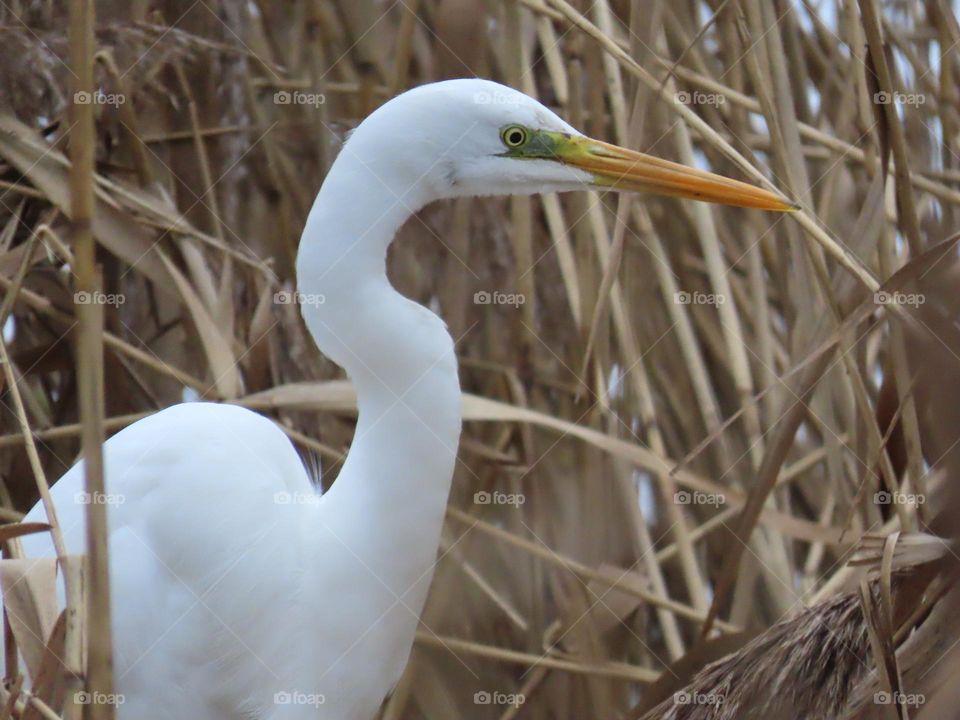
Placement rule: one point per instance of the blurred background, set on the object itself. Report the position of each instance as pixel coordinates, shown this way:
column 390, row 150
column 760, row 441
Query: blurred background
column 675, row 410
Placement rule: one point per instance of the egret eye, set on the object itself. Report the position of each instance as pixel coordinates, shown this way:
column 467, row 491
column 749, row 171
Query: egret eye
column 514, row 136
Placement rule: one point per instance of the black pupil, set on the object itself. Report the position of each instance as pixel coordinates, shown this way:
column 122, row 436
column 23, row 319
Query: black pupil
column 515, row 137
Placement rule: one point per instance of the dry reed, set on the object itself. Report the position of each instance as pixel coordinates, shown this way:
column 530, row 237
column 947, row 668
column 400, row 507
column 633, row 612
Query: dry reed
column 705, row 411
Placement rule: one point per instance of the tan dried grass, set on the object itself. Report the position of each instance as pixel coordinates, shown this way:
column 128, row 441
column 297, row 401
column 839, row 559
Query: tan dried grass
column 796, row 399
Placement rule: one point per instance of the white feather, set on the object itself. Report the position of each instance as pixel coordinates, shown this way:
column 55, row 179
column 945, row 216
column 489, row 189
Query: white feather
column 237, row 591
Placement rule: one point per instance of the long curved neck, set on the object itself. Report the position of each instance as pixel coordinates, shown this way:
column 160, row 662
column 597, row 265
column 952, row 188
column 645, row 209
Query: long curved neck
column 393, row 487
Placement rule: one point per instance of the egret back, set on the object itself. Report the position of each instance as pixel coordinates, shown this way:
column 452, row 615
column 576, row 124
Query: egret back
column 209, row 508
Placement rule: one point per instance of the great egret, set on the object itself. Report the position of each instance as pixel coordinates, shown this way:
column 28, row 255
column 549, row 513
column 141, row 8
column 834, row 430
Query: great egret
column 238, row 592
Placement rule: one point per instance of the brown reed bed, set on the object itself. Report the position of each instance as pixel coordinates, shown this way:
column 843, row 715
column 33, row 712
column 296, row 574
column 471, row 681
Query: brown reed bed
column 706, row 412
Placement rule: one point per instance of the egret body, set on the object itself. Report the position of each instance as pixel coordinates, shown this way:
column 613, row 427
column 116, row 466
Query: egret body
column 239, row 592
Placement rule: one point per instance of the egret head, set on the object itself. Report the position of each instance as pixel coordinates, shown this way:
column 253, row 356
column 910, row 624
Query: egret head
column 477, row 137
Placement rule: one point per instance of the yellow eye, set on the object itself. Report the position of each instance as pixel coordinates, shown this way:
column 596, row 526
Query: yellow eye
column 514, row 136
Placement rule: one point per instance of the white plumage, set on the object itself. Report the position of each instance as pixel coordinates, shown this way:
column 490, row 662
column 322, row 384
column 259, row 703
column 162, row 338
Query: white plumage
column 237, row 591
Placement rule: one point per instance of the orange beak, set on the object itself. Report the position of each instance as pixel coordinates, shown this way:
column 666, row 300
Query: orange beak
column 617, row 167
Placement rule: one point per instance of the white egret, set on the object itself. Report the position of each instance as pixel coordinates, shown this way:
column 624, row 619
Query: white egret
column 237, row 591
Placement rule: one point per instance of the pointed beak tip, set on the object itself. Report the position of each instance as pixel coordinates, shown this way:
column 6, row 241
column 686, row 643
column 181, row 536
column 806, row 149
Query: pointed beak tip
column 786, row 206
